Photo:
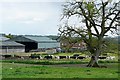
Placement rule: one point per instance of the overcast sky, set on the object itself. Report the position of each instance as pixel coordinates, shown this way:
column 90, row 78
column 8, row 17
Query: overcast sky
column 30, row 17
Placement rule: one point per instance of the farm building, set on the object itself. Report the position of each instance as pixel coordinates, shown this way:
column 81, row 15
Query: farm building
column 29, row 43
column 10, row 46
column 2, row 37
column 36, row 42
column 79, row 46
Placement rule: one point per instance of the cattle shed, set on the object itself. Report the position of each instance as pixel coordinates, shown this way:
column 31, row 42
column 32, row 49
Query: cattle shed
column 29, row 43
column 44, row 42
column 11, row 47
column 32, row 42
column 3, row 38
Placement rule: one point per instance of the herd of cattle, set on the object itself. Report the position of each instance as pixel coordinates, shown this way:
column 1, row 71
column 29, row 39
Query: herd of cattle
column 70, row 57
column 55, row 57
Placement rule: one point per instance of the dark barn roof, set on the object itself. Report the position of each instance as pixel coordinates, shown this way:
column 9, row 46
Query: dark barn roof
column 10, row 43
column 41, row 39
column 3, row 38
column 5, row 42
column 22, row 39
column 38, row 39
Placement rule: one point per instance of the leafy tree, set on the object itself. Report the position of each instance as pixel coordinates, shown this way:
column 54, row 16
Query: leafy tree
column 96, row 19
column 68, row 42
column 9, row 36
column 111, row 45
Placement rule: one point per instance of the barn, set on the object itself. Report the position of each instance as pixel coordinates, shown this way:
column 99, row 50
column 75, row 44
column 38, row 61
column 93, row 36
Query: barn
column 32, row 42
column 44, row 42
column 10, row 46
column 29, row 43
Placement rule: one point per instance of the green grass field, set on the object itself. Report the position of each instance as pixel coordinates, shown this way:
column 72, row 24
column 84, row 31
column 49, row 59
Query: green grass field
column 16, row 70
column 64, row 68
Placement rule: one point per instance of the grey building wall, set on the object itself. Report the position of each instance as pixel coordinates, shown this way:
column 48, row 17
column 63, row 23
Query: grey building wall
column 48, row 45
column 12, row 49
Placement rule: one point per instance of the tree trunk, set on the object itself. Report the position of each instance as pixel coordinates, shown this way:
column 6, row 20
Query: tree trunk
column 93, row 62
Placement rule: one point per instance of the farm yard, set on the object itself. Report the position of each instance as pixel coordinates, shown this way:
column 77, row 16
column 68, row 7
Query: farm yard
column 86, row 44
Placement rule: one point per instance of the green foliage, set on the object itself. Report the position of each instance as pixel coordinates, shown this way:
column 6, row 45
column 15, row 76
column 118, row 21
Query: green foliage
column 9, row 36
column 112, row 45
column 94, row 42
column 69, row 41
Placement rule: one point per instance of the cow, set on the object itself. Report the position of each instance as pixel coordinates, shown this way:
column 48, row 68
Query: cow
column 80, row 57
column 35, row 57
column 62, row 57
column 73, row 57
column 102, row 57
column 57, row 57
column 7, row 56
column 48, row 57
column 110, row 58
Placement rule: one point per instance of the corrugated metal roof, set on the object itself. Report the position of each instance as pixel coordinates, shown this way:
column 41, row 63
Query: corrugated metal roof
column 10, row 43
column 44, row 42
column 41, row 39
column 22, row 39
column 2, row 38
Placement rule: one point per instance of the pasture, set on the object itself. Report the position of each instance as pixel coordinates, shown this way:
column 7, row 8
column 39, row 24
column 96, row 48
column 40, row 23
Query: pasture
column 15, row 70
column 57, row 68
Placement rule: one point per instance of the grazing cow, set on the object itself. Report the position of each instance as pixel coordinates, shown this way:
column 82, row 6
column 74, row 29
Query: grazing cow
column 73, row 57
column 48, row 57
column 7, row 56
column 52, row 56
column 102, row 57
column 110, row 58
column 35, row 57
column 41, row 57
column 2, row 57
column 68, row 57
column 62, row 57
column 22, row 57
column 87, row 56
column 25, row 57
column 57, row 57
column 17, row 56
column 80, row 57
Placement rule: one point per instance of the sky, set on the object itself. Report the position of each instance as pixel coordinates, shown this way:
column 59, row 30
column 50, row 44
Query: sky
column 30, row 17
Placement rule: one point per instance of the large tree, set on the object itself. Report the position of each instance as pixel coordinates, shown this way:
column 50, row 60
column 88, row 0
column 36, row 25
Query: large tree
column 95, row 20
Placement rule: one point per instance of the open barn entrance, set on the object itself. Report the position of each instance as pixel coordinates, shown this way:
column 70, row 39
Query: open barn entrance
column 29, row 45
